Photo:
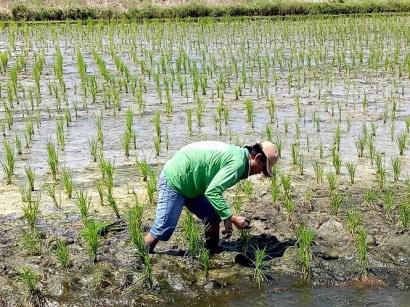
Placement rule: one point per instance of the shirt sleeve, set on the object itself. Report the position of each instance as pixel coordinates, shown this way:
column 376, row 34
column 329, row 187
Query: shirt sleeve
column 226, row 177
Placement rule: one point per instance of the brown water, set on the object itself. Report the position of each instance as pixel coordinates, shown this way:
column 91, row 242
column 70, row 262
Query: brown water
column 320, row 297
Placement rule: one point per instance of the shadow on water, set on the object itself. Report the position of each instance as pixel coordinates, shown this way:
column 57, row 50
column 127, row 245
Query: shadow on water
column 274, row 248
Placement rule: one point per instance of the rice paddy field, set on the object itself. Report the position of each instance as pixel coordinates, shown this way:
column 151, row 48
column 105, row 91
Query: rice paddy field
column 91, row 111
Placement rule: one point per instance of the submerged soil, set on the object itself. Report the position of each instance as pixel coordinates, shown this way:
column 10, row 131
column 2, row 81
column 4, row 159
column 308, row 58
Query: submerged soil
column 117, row 277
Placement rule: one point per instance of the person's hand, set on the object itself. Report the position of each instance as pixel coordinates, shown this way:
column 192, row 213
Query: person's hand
column 240, row 222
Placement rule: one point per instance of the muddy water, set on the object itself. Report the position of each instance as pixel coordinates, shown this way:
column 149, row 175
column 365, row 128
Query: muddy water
column 324, row 89
column 313, row 297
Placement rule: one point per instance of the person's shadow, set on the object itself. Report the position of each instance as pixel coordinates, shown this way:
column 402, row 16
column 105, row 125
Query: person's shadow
column 272, row 246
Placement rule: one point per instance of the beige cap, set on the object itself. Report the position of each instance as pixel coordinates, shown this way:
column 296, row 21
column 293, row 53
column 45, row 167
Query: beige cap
column 272, row 156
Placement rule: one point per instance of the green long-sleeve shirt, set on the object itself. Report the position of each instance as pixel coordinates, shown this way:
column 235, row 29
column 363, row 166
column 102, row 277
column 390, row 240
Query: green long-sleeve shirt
column 207, row 168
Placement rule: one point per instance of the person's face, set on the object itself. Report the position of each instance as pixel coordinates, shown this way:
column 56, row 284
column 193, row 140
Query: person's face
column 258, row 164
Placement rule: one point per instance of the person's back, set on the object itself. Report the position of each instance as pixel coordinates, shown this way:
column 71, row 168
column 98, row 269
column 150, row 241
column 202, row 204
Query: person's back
column 194, row 166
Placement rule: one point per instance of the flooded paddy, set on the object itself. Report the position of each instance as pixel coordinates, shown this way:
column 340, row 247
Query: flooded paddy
column 332, row 94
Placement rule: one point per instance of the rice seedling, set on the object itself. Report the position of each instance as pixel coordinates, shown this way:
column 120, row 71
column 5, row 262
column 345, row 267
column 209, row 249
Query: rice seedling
column 189, row 121
column 286, row 183
column 31, row 176
column 144, row 167
column 316, row 122
column 2, row 127
column 353, row 220
column 31, row 242
column 336, row 161
column 404, row 213
column 9, row 114
column 297, row 132
column 361, row 249
column 336, row 140
column 279, row 145
column 351, row 168
column 308, row 199
column 332, row 181
column 371, row 196
column 192, row 234
column 68, row 182
column 336, row 200
column 295, row 153
column 247, row 188
column 111, row 202
column 245, row 238
column 260, row 270
column 51, row 192
column 407, row 123
column 364, row 103
column 388, row 201
column 19, row 147
column 305, row 237
column 237, row 204
column 9, row 161
column 157, row 125
column 378, row 158
column 360, row 145
column 60, row 134
column 300, row 165
column 126, row 141
column 129, row 121
column 31, row 211
column 271, row 108
column 275, row 189
column 148, row 276
column 396, row 165
column 402, row 142
column 289, row 206
column 381, row 177
column 249, row 112
column 29, row 278
column 52, row 158
column 157, row 145
column 67, row 116
column 134, row 219
column 151, row 187
column 199, row 111
column 84, row 203
column 268, row 133
column 319, row 170
column 90, row 234
column 62, row 253
column 321, row 151
column 26, row 195
column 29, row 131
column 100, row 133
column 93, row 147
column 204, row 260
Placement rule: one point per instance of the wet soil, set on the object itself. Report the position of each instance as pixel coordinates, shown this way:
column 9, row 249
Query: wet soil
column 116, row 279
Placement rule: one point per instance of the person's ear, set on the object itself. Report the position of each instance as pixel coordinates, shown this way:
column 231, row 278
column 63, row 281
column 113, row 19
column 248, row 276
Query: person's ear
column 259, row 158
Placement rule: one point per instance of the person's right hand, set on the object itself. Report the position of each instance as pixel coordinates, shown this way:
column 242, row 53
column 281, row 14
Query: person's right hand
column 241, row 222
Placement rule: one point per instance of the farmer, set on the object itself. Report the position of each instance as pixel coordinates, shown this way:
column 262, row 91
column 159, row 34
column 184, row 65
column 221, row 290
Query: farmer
column 196, row 178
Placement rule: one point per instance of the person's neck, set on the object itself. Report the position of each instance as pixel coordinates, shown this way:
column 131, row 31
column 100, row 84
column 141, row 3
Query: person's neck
column 248, row 159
